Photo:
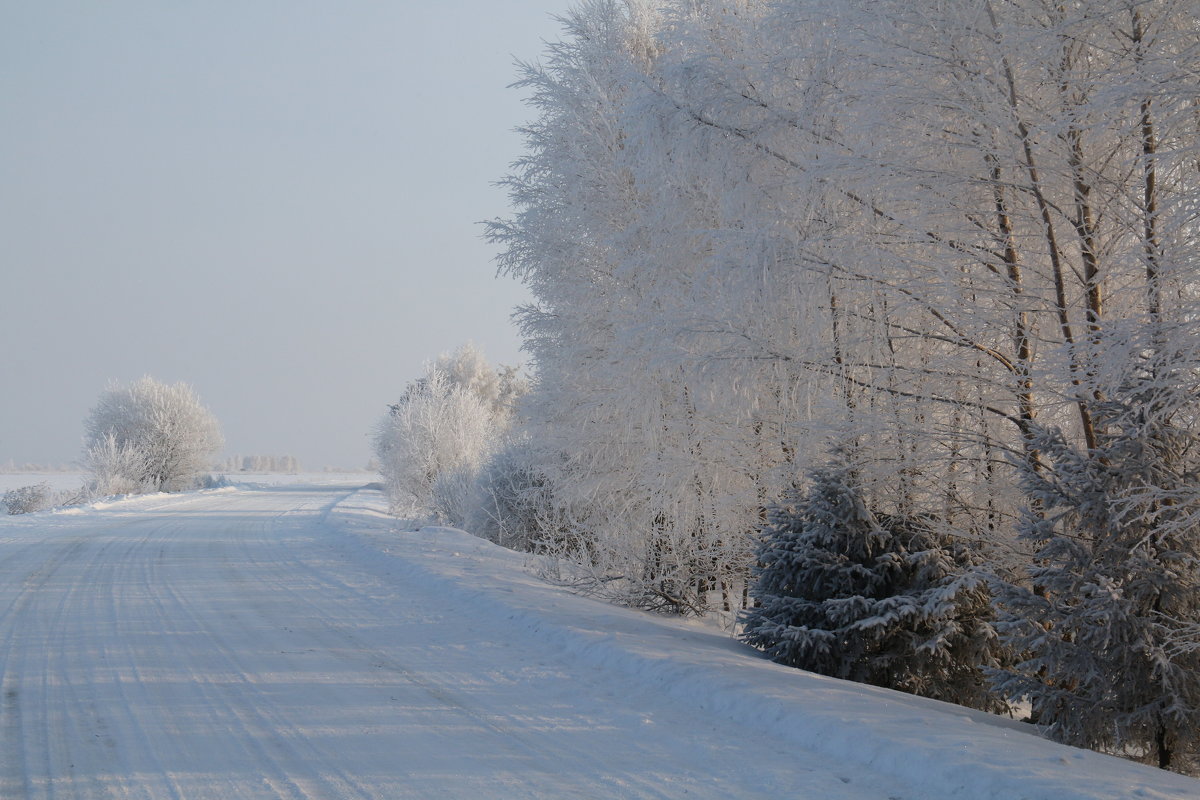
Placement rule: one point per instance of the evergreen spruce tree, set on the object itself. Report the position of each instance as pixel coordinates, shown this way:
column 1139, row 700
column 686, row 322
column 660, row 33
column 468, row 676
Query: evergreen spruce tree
column 869, row 597
column 1113, row 593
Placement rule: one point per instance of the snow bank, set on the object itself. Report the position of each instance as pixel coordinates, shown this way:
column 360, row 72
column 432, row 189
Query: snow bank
column 942, row 749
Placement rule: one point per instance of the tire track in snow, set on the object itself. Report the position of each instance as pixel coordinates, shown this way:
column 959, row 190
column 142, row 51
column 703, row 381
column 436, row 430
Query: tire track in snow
column 367, row 611
column 143, row 715
column 93, row 701
column 41, row 625
column 547, row 752
column 237, row 645
column 260, row 725
column 359, row 609
column 13, row 685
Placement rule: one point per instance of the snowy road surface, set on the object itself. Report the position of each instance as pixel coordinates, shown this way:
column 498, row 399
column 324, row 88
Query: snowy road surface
column 287, row 642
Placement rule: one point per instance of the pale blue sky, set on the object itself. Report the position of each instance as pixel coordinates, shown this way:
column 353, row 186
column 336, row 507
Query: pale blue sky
column 275, row 201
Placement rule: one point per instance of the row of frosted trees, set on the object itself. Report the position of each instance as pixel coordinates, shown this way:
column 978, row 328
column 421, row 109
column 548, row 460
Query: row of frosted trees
column 907, row 282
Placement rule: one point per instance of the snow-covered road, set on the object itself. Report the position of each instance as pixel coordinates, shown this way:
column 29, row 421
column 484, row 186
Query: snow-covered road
column 220, row 645
column 286, row 642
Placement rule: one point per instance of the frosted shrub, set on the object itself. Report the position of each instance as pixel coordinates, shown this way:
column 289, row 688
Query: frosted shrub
column 512, row 501
column 452, row 494
column 436, row 427
column 29, row 499
column 498, row 387
column 115, row 468
column 434, row 439
column 212, row 481
column 40, row 497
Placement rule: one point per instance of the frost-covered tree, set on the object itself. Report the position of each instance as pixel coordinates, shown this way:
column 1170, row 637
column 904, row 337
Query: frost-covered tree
column 634, row 444
column 433, row 441
column 150, row 436
column 500, row 387
column 847, row 592
column 1114, row 585
column 1111, row 590
column 916, row 227
column 115, row 467
column 435, row 428
column 958, row 238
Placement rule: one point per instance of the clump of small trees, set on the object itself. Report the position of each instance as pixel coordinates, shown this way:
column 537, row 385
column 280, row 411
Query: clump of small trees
column 149, row 437
column 145, row 437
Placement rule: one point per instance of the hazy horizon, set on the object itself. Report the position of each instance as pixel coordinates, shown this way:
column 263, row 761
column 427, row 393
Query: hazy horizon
column 275, row 203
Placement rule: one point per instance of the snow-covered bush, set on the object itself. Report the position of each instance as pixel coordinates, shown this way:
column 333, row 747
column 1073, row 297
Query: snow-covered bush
column 512, row 505
column 498, row 387
column 453, row 493
column 149, row 436
column 435, row 428
column 212, row 481
column 868, row 597
column 115, row 468
column 28, row 499
column 433, row 441
column 40, row 497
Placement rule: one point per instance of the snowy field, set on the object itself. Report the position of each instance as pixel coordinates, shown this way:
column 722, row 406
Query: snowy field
column 57, row 480
column 284, row 640
column 73, row 480
column 251, row 479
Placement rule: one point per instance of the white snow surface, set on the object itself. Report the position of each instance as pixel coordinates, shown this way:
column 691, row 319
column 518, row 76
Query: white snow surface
column 290, row 641
column 56, row 480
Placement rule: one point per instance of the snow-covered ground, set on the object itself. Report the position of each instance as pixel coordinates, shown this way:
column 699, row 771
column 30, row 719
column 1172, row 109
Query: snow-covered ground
column 252, row 479
column 289, row 641
column 66, row 480
column 57, row 480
